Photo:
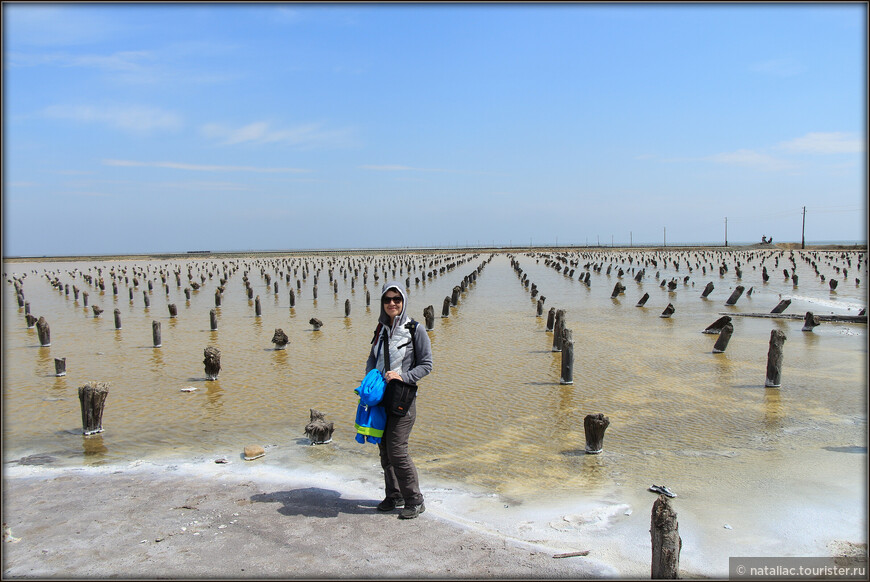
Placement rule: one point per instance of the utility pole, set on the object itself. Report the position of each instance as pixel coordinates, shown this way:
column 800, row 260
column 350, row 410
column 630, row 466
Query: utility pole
column 726, row 231
column 665, row 236
column 803, row 225
column 630, row 240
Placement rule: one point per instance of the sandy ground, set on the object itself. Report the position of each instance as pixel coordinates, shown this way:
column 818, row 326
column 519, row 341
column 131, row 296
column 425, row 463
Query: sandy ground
column 159, row 524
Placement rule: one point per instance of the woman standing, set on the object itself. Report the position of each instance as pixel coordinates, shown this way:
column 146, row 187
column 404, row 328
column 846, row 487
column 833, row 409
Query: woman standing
column 401, row 349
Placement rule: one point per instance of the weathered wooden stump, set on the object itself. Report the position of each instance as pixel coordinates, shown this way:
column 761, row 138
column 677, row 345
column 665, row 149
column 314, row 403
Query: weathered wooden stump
column 85, row 297
column 617, row 289
column 43, row 331
column 212, row 361
column 666, row 542
column 217, row 297
column 173, row 311
column 557, row 330
column 723, row 339
column 716, row 326
column 92, row 397
column 454, row 299
column 445, row 309
column 314, row 293
column 145, row 298
column 551, row 318
column 810, row 321
column 774, row 359
column 368, row 298
column 794, row 280
column 280, row 339
column 429, row 316
column 781, row 306
column 212, row 317
column 26, row 307
column 672, row 285
column 539, row 308
column 155, row 333
column 131, row 294
column 258, row 311
column 735, row 295
column 669, row 311
column 292, row 298
column 60, row 367
column 594, row 426
column 643, row 300
column 31, row 320
column 707, row 290
column 117, row 314
column 832, row 284
column 318, row 431
column 567, row 376
column 316, row 323
column 347, row 307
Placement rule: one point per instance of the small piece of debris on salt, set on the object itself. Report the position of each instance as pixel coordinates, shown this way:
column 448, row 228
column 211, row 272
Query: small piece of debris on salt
column 188, row 389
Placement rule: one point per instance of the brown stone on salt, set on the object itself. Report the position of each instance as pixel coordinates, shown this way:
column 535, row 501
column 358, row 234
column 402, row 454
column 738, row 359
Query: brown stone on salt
column 254, row 452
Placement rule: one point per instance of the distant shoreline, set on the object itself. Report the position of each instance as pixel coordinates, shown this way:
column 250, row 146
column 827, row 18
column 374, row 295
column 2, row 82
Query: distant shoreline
column 858, row 246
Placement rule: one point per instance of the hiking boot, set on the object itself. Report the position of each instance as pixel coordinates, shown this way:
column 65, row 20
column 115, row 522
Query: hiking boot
column 391, row 503
column 412, row 511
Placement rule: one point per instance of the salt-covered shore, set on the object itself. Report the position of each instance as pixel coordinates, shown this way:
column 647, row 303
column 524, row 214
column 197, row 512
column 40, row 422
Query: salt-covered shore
column 150, row 519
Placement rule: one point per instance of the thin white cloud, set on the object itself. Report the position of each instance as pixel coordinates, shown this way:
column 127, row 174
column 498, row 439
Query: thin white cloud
column 199, row 167
column 397, row 168
column 778, row 67
column 825, row 143
column 751, row 159
column 261, row 132
column 133, row 118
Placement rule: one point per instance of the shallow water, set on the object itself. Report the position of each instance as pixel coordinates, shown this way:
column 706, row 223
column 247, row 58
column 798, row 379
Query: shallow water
column 493, row 415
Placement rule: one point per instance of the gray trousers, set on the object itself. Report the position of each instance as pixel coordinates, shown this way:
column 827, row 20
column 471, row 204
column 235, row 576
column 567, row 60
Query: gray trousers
column 400, row 474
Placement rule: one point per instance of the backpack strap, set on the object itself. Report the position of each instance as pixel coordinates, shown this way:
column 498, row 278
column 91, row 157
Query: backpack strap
column 412, row 327
column 377, row 332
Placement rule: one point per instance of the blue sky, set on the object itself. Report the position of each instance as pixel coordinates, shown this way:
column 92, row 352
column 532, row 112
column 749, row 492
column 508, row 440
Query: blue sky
column 136, row 128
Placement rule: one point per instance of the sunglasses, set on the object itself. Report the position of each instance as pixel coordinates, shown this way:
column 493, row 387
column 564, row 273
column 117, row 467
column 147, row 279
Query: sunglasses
column 393, row 299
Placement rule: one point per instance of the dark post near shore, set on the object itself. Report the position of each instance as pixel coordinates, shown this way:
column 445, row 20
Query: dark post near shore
column 774, row 359
column 666, row 543
column 43, row 331
column 117, row 318
column 557, row 330
column 212, row 316
column 781, row 306
column 567, row 357
column 155, row 333
column 280, row 339
column 445, row 309
column 429, row 317
column 594, row 426
column 212, row 361
column 643, row 300
column 735, row 295
column 723, row 339
column 60, row 367
column 810, row 321
column 92, row 397
column 707, row 290
column 551, row 318
column 669, row 311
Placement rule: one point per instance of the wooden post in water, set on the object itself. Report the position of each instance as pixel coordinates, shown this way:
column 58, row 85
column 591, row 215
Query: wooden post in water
column 92, row 397
column 155, row 333
column 810, row 321
column 781, row 306
column 43, row 331
column 774, row 359
column 257, row 310
column 280, row 339
column 131, row 294
column 539, row 310
column 368, row 298
column 557, row 330
column 145, row 298
column 85, row 297
column 594, row 426
column 669, row 311
column 567, row 357
column 212, row 362
column 666, row 542
column 212, row 316
column 429, row 317
column 832, row 284
column 316, row 323
column 314, row 292
column 292, row 298
column 716, row 326
column 643, row 300
column 347, row 307
column 173, row 311
column 117, row 313
column 318, row 431
column 445, row 309
column 707, row 290
column 551, row 318
column 31, row 320
column 454, row 300
column 217, row 297
column 617, row 289
column 738, row 291
column 60, row 367
column 723, row 339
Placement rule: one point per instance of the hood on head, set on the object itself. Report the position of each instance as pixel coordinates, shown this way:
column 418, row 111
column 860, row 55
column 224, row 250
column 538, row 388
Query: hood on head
column 403, row 316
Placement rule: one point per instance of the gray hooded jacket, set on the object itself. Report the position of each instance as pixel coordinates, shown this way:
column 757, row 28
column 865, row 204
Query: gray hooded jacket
column 402, row 345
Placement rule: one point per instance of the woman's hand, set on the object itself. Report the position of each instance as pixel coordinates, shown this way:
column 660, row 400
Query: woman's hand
column 391, row 376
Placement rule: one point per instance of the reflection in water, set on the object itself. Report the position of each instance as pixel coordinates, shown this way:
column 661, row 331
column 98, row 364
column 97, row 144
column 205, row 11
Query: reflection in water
column 774, row 411
column 156, row 360
column 214, row 403
column 93, row 445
